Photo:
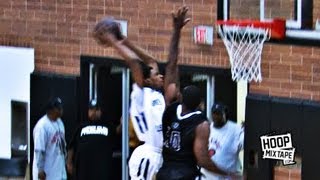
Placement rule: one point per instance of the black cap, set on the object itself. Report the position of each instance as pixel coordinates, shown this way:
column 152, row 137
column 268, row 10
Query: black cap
column 219, row 108
column 93, row 104
column 55, row 103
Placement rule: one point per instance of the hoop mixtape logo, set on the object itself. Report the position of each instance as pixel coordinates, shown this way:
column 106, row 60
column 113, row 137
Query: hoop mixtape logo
column 278, row 147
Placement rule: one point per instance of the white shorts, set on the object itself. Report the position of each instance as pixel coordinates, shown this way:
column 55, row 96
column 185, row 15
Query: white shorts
column 145, row 162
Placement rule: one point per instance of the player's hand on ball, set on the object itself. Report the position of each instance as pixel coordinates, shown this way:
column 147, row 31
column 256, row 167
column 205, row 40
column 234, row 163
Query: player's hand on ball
column 104, row 38
column 107, row 32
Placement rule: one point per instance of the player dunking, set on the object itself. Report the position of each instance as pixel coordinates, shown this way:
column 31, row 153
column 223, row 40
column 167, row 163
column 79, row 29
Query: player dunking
column 147, row 101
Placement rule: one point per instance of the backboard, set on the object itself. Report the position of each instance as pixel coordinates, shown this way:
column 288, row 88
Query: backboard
column 302, row 16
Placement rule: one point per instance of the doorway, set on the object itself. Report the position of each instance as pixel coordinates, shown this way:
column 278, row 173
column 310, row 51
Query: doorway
column 108, row 80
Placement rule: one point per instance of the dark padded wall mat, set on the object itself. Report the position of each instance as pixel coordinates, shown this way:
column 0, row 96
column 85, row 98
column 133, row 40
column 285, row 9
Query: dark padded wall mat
column 310, row 140
column 258, row 113
column 286, row 117
column 267, row 115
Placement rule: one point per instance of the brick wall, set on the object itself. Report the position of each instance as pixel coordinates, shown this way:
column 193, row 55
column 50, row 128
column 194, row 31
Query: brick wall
column 290, row 71
column 289, row 172
column 283, row 173
column 59, row 30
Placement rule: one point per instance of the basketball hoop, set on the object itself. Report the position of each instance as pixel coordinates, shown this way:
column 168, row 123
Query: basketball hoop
column 244, row 43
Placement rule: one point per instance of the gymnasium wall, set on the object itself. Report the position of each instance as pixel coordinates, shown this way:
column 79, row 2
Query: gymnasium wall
column 59, row 31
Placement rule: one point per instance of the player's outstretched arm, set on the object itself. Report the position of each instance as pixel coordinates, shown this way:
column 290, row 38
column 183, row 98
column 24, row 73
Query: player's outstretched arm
column 103, row 36
column 146, row 57
column 171, row 79
column 200, row 148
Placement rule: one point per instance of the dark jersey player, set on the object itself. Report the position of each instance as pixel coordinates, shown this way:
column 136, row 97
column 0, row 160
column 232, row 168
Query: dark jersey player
column 90, row 150
column 185, row 133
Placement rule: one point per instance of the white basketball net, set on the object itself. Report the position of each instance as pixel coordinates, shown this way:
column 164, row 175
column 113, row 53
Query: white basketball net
column 244, row 46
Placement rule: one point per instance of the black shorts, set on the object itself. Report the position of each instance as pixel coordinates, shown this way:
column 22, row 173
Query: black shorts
column 177, row 172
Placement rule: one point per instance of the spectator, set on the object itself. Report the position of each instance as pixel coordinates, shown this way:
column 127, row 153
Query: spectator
column 49, row 144
column 225, row 143
column 90, row 150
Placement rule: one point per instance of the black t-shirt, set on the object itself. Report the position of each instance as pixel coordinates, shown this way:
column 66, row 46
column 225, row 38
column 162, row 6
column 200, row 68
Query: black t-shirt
column 179, row 134
column 92, row 144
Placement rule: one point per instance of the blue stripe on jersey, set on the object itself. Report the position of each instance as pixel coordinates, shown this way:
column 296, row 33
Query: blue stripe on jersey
column 143, row 119
column 140, row 166
column 145, row 174
column 138, row 121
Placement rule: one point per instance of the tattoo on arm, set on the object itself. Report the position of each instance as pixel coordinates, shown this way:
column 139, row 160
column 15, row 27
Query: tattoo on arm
column 132, row 61
column 136, row 72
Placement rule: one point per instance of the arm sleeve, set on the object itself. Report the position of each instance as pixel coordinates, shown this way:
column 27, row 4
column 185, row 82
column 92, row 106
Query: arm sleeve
column 137, row 96
column 40, row 138
column 137, row 115
column 64, row 147
column 40, row 158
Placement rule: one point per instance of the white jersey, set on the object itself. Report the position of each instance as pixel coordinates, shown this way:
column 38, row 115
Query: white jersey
column 146, row 110
column 49, row 137
column 225, row 143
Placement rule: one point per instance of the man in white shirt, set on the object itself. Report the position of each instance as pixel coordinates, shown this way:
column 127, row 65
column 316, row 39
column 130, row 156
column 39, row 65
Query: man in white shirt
column 49, row 144
column 225, row 142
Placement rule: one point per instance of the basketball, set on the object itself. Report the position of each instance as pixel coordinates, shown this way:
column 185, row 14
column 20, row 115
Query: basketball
column 111, row 26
